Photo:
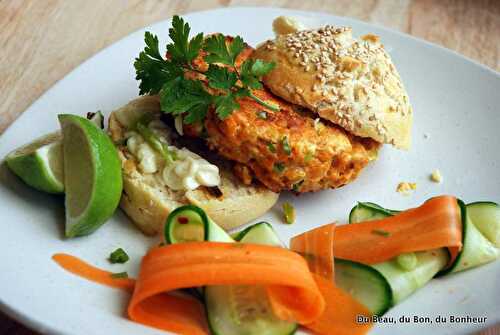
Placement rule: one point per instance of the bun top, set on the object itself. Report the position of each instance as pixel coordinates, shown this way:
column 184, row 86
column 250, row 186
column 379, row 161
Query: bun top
column 351, row 82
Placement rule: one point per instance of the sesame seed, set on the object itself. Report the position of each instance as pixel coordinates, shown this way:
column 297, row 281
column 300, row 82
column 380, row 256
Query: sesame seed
column 289, row 87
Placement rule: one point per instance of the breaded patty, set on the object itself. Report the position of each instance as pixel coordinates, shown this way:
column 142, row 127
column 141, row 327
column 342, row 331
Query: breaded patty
column 284, row 150
column 287, row 150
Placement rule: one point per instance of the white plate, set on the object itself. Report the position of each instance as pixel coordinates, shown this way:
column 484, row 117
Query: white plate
column 455, row 102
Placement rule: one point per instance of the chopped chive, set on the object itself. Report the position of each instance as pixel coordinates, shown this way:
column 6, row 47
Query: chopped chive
column 271, row 106
column 381, row 232
column 262, row 115
column 119, row 275
column 271, row 147
column 118, row 256
column 288, row 212
column 286, row 146
column 297, row 185
column 279, row 167
column 309, row 155
column 154, row 141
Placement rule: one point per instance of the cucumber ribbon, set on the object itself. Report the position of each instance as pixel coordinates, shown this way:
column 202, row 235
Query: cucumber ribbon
column 406, row 248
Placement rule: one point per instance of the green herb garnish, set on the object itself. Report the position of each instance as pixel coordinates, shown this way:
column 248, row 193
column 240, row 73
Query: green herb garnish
column 381, row 232
column 119, row 275
column 190, row 97
column 118, row 256
column 286, row 146
column 309, row 155
column 288, row 212
column 271, row 147
column 278, row 167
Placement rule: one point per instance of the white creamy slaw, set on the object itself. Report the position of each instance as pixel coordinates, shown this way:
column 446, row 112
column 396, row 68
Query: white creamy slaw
column 187, row 172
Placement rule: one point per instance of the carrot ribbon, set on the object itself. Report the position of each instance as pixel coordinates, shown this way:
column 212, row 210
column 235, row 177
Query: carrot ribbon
column 339, row 316
column 291, row 288
column 92, row 273
column 435, row 224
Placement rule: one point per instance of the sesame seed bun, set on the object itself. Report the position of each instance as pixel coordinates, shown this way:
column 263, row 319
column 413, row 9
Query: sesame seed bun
column 350, row 82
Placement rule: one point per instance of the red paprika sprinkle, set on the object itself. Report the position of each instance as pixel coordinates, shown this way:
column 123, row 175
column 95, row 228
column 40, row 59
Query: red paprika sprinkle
column 182, row 220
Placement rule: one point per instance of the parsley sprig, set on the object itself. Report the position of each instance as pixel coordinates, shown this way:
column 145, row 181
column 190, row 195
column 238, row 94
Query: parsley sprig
column 190, row 98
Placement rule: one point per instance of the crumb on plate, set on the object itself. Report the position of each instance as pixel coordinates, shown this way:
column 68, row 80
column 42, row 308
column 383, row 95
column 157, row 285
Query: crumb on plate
column 406, row 188
column 286, row 25
column 436, row 176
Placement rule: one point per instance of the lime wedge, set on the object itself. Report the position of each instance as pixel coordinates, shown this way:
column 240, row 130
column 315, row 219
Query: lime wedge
column 92, row 175
column 39, row 163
